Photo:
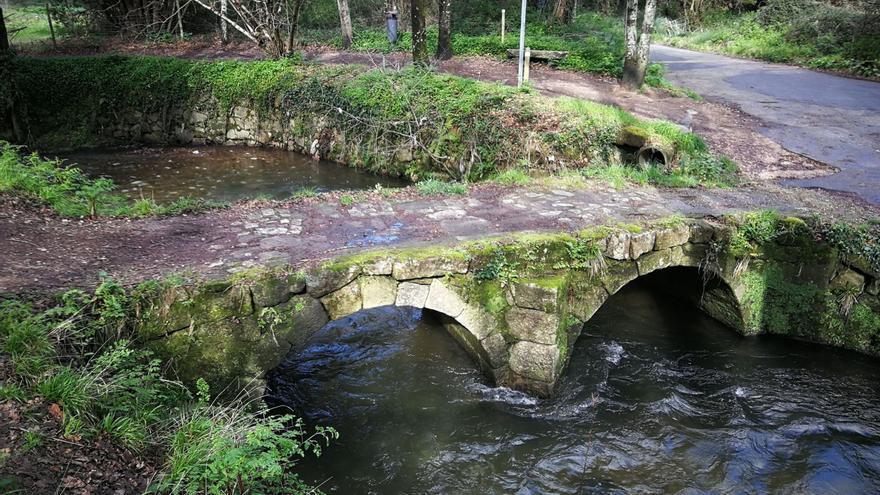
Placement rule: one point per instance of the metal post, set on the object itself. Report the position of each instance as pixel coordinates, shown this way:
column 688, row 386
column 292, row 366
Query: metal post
column 522, row 42
column 503, row 24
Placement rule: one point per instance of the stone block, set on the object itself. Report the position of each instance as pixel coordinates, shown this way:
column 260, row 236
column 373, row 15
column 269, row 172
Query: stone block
column 412, row 295
column 533, row 326
column 496, row 349
column 477, row 321
column 641, row 244
column 664, row 259
column 618, row 246
column 617, row 274
column 534, row 361
column 445, row 299
column 434, row 266
column 671, row 237
column 848, row 280
column 321, row 282
column 380, row 266
column 378, row 291
column 701, row 232
column 587, row 300
column 344, row 301
column 534, row 296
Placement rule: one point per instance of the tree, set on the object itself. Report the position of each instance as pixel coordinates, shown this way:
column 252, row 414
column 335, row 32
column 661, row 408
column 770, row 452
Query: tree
column 563, row 12
column 345, row 22
column 444, row 38
column 271, row 24
column 638, row 44
column 4, row 37
column 418, row 9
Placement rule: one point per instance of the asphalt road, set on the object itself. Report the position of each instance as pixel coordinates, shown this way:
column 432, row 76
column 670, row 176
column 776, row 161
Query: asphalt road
column 832, row 119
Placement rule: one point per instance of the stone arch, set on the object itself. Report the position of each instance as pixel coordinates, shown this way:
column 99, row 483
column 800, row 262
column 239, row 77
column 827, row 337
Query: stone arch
column 473, row 328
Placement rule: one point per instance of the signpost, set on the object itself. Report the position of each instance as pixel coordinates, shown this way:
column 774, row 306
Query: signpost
column 522, row 43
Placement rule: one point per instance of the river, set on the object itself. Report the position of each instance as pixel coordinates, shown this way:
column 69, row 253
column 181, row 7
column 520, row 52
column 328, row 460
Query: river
column 657, row 398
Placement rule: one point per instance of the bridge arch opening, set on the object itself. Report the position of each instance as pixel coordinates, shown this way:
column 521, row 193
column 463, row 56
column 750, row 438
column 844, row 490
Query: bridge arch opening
column 673, row 292
column 370, row 349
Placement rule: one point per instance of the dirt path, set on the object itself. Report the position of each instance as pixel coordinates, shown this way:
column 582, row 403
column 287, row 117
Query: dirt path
column 45, row 254
column 830, row 118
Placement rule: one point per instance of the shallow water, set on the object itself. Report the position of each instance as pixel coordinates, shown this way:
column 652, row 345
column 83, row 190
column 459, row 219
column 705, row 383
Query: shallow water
column 657, row 399
column 220, row 173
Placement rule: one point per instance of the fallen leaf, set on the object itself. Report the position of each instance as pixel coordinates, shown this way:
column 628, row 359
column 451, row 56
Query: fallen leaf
column 55, row 411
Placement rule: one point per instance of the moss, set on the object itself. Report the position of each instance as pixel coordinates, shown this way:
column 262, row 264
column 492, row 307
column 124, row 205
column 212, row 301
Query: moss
column 858, row 330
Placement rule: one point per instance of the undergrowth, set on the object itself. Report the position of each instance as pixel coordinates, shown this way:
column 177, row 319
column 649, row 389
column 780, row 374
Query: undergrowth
column 79, row 355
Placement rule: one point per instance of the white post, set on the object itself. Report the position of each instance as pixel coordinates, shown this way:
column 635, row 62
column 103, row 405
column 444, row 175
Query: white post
column 503, row 24
column 526, row 65
column 522, row 42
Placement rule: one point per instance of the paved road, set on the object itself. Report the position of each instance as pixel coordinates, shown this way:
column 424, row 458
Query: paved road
column 831, row 119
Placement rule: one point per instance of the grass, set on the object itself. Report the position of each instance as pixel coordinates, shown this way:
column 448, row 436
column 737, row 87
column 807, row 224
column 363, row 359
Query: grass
column 745, row 36
column 29, row 23
column 70, row 193
column 435, row 187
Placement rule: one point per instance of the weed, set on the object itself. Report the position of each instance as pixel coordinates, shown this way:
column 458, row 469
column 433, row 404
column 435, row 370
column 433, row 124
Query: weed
column 434, row 187
column 347, row 200
column 305, row 192
column 513, row 177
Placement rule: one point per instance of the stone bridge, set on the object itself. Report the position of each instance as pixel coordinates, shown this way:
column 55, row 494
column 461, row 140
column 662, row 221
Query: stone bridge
column 516, row 305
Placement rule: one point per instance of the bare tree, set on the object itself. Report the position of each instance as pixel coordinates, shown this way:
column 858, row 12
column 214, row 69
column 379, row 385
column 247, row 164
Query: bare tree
column 345, row 22
column 271, row 24
column 419, row 34
column 638, row 43
column 444, row 21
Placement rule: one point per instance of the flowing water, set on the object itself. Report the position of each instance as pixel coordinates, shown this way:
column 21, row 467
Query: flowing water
column 219, row 173
column 656, row 399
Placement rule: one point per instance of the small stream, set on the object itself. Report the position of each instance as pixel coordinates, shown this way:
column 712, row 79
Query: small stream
column 658, row 398
column 219, row 173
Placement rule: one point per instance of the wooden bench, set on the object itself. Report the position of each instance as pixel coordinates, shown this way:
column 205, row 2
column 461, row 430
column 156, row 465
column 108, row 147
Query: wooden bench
column 540, row 54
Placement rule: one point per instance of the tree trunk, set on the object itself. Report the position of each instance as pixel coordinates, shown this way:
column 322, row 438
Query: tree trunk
column 345, row 22
column 4, row 38
column 562, row 12
column 224, row 28
column 419, row 35
column 638, row 45
column 444, row 21
column 293, row 20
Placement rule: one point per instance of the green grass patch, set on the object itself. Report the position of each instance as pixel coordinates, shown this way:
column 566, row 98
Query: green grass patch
column 435, row 187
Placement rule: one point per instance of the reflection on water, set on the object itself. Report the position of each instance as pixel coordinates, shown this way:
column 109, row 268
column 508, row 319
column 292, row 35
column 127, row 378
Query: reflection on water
column 657, row 399
column 219, row 173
